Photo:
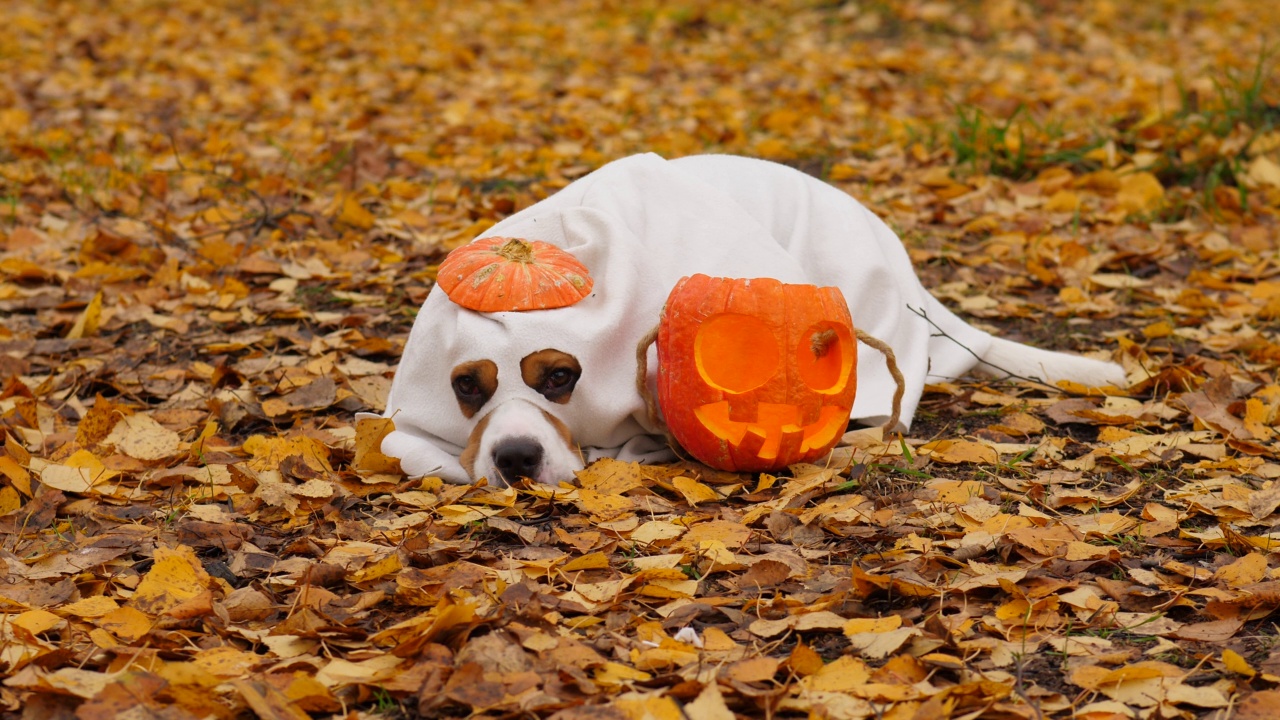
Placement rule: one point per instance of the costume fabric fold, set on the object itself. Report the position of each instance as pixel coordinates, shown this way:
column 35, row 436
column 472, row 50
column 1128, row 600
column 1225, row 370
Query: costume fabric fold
column 640, row 224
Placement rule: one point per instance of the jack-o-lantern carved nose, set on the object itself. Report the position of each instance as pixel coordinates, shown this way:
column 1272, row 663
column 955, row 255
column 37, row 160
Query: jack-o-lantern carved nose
column 735, row 353
column 823, row 357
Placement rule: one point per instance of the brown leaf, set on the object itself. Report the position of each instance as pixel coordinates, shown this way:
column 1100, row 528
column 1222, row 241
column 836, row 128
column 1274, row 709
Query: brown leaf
column 1216, row 631
column 760, row 669
column 468, row 686
column 765, row 573
column 267, row 702
column 1260, row 705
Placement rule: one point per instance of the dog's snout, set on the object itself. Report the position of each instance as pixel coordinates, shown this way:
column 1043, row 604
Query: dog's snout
column 518, row 457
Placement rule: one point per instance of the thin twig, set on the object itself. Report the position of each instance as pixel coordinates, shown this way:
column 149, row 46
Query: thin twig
column 1008, row 375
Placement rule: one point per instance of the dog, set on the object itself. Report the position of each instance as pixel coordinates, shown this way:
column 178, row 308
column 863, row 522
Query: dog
column 540, row 393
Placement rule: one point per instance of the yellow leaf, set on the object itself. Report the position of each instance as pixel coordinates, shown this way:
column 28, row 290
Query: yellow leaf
column 424, row 628
column 10, row 500
column 958, row 492
column 804, row 660
column 771, row 147
column 841, row 171
column 379, row 569
column 820, row 620
column 1072, row 295
column 36, row 621
column 1250, row 569
column 782, row 120
column 844, row 674
column 1237, row 664
column 766, row 481
column 87, row 324
column 225, row 661
column 1263, row 171
column 80, row 473
column 733, row 535
column 608, row 476
column 126, row 623
column 269, row 452
column 103, row 639
column 876, row 645
column 612, row 673
column 671, row 654
column 693, row 491
column 463, row 514
column 710, row 705
column 353, row 213
column 602, row 506
column 657, row 531
column 954, row 452
column 592, row 561
column 176, row 576
column 140, row 436
column 365, row 672
column 670, row 588
column 865, row 625
column 90, row 607
column 1139, row 192
column 368, row 447
column 14, row 120
column 1062, row 201
column 17, row 474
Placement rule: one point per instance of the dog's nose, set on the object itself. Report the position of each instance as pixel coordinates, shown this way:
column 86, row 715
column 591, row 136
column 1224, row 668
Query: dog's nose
column 518, row 457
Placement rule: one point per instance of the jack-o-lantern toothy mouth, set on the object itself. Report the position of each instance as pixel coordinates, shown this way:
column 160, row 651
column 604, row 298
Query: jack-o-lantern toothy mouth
column 773, row 422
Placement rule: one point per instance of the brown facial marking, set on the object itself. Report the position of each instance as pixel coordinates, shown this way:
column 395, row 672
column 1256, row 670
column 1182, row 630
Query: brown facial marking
column 552, row 373
column 473, row 384
column 469, row 453
column 561, row 428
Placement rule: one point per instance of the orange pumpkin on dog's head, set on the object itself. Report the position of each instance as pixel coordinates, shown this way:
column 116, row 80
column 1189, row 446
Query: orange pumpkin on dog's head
column 754, row 375
column 501, row 274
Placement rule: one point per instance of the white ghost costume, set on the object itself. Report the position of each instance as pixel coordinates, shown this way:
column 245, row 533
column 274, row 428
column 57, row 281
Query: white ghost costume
column 640, row 224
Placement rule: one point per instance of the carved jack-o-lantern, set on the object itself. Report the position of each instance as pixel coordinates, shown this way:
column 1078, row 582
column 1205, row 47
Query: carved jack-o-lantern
column 754, row 375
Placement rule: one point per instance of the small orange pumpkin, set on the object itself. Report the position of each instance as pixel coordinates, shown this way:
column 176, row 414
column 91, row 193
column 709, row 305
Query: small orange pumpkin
column 754, row 375
column 499, row 273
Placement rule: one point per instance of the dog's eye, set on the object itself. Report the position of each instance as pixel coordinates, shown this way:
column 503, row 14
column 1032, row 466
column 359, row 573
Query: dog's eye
column 558, row 379
column 465, row 386
column 551, row 373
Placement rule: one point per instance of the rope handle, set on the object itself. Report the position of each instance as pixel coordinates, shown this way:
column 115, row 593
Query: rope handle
column 651, row 403
column 892, row 361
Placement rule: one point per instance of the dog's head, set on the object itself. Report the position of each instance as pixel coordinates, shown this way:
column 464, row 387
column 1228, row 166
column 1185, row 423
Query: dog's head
column 513, row 437
column 506, row 394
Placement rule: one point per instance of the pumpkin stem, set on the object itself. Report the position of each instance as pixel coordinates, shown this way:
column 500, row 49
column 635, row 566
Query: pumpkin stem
column 517, row 250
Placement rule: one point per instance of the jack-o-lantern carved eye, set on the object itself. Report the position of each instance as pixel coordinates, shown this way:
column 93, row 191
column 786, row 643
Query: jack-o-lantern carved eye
column 823, row 357
column 735, row 353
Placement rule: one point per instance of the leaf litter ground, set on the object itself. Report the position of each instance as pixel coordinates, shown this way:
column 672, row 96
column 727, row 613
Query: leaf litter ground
column 217, row 222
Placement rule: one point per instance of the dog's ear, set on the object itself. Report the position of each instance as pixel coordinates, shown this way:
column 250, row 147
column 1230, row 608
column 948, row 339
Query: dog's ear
column 552, row 373
column 473, row 384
